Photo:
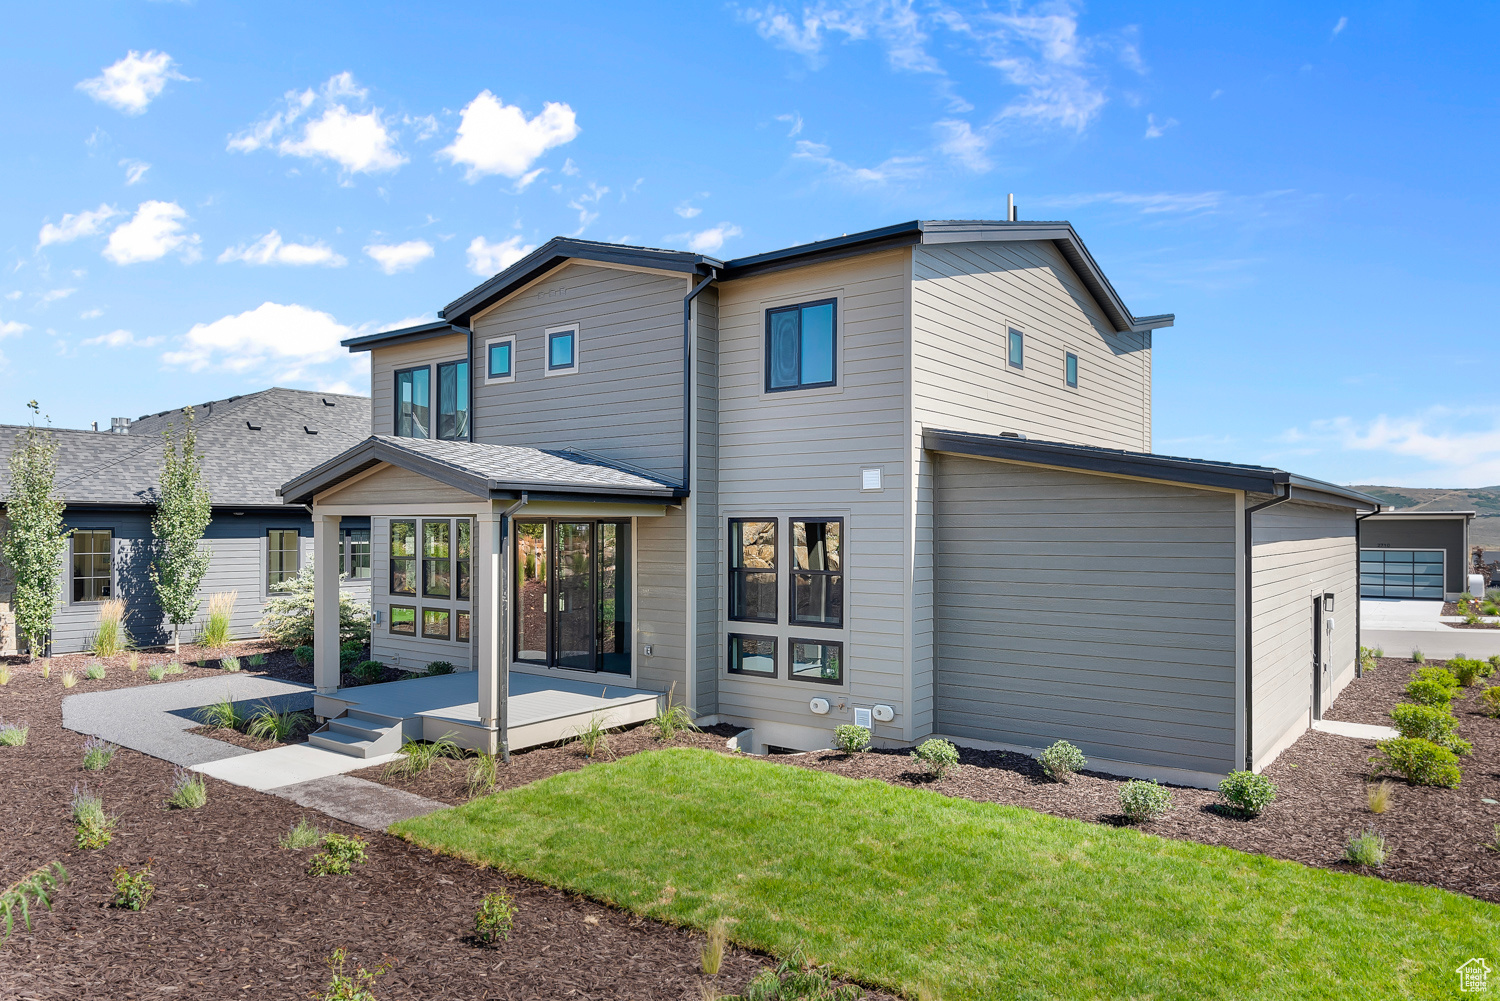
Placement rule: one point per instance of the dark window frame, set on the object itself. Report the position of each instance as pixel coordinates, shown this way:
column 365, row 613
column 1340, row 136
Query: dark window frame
column 391, row 557
column 462, row 615
column 793, row 573
column 570, row 331
column 775, row 571
column 92, row 557
column 1070, row 369
column 447, row 613
column 791, row 660
column 296, row 551
column 391, row 626
column 1015, row 348
column 625, row 556
column 425, row 559
column 509, row 343
column 833, row 365
column 396, row 401
column 463, row 566
column 460, row 388
column 347, row 543
column 775, row 671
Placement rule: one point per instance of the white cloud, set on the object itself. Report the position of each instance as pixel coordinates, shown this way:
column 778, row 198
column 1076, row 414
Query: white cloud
column 1343, row 23
column 487, row 258
column 687, row 211
column 154, row 231
column 74, row 226
column 287, row 338
column 55, row 294
column 794, row 120
column 782, row 28
column 570, row 168
column 10, row 328
column 91, row 314
column 121, row 339
column 134, row 170
column 131, row 84
column 527, row 179
column 1458, row 446
column 895, row 168
column 498, row 138
column 426, row 125
column 394, row 257
column 359, row 141
column 709, row 240
column 1155, row 129
column 1149, row 204
column 271, row 249
column 581, row 203
column 958, row 140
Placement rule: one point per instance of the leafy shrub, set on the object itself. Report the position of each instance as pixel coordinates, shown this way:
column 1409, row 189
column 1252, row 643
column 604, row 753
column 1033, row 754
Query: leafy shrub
column 496, row 916
column 98, row 753
column 217, row 628
column 288, row 620
column 1420, row 762
column 132, row 890
column 350, row 654
column 93, row 828
column 937, row 756
column 94, row 672
column 188, row 791
column 279, row 725
column 1366, row 659
column 1491, row 666
column 13, row 734
column 1378, row 796
column 417, row 756
column 110, row 636
column 1465, row 670
column 1061, row 760
column 851, row 739
column 1441, row 675
column 354, row 986
column 224, row 714
column 339, row 856
column 1141, row 801
column 439, row 667
column 369, row 672
column 230, row 664
column 256, row 660
column 1434, row 723
column 156, row 672
column 36, row 887
column 483, row 773
column 1367, row 849
column 1248, row 792
column 303, row 834
column 1429, row 693
column 303, row 655
column 69, row 679
column 1489, row 700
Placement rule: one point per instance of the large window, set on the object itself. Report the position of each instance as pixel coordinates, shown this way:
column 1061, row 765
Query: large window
column 816, row 660
column 284, row 556
column 453, row 401
column 414, row 403
column 752, row 655
column 354, row 553
column 818, row 573
column 752, row 570
column 800, row 346
column 573, row 594
column 437, row 559
column 93, row 564
column 403, row 557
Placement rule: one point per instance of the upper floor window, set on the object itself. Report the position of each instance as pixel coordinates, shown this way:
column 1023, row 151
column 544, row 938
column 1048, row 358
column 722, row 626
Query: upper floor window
column 1070, row 369
column 562, row 350
column 414, row 403
column 1016, row 349
column 284, row 556
column 752, row 570
column 93, row 565
column 453, row 401
column 500, row 359
column 800, row 346
column 818, row 573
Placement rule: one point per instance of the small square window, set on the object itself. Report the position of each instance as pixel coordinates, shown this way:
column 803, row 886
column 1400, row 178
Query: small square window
column 562, row 350
column 1070, row 366
column 817, row 660
column 1015, row 355
column 801, row 346
column 752, row 655
column 500, row 363
column 435, row 623
column 403, row 620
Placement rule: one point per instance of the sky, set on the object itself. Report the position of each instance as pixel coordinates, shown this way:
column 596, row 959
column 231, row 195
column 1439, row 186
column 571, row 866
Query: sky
column 201, row 199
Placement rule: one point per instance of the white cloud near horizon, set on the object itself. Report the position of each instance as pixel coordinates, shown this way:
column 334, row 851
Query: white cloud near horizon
column 53, row 295
column 71, row 226
column 271, row 249
column 896, row 168
column 486, row 259
column 285, row 340
column 707, row 241
column 395, row 257
column 131, row 84
column 121, row 339
column 359, row 141
column 1460, row 446
column 497, row 138
column 11, row 328
column 154, row 231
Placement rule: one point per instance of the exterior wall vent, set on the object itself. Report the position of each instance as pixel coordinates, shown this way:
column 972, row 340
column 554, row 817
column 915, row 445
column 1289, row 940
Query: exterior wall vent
column 1012, row 434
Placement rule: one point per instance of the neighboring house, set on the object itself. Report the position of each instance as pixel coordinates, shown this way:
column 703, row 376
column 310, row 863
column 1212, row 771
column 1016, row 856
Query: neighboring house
column 249, row 443
column 1414, row 554
column 901, row 478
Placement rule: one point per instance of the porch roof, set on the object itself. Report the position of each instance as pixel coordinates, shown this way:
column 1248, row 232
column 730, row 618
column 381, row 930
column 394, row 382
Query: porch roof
column 486, row 470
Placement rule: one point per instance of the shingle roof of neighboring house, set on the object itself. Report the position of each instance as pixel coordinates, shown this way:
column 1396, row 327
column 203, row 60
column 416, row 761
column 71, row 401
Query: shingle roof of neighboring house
column 249, row 444
column 483, row 470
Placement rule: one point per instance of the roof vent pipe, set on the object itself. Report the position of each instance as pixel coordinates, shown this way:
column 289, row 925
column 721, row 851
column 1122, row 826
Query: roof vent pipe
column 1010, row 207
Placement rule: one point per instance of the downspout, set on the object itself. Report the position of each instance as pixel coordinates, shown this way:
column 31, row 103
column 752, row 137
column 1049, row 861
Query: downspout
column 469, row 353
column 505, row 625
column 687, row 375
column 1250, row 624
column 1359, row 638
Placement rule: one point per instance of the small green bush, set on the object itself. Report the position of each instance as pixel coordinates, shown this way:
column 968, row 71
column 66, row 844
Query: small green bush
column 1489, row 700
column 369, row 672
column 303, row 834
column 1061, row 760
column 156, row 672
column 98, row 753
column 256, row 660
column 13, row 734
column 1429, row 693
column 1367, row 849
column 1441, row 675
column 1142, row 801
column 1420, row 762
column 4, row 674
column 851, row 739
column 175, row 668
column 793, row 980
column 132, row 891
column 230, row 664
column 94, row 672
column 1434, row 723
column 439, row 667
column 1465, row 670
column 354, row 986
column 93, row 828
column 1417, row 656
column 1248, row 792
column 188, row 791
column 937, row 756
column 339, row 856
column 496, row 916
column 303, row 655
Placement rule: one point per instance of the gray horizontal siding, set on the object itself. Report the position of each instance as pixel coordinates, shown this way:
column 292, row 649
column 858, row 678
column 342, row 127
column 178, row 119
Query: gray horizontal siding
column 1077, row 607
column 386, row 362
column 661, row 603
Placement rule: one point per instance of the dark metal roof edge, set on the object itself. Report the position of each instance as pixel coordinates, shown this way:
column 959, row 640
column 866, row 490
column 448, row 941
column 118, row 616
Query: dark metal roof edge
column 1334, row 490
column 1404, row 513
column 869, row 241
column 403, row 335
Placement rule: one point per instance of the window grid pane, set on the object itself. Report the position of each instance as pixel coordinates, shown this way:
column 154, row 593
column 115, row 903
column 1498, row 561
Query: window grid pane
column 437, row 567
column 282, row 556
column 357, row 562
column 413, row 403
column 752, row 575
column 453, row 401
column 93, row 572
column 462, row 560
column 403, row 557
column 817, row 577
column 816, row 660
column 801, row 346
column 500, row 360
column 752, row 655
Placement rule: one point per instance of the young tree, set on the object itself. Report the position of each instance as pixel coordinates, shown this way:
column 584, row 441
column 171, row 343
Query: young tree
column 35, row 539
column 182, row 513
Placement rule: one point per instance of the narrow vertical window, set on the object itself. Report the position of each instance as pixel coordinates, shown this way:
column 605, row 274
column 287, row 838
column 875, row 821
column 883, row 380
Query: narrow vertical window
column 531, row 591
column 752, row 570
column 463, row 560
column 801, row 346
column 1016, row 349
column 283, row 545
column 437, row 566
column 93, row 565
column 413, row 403
column 461, row 627
column 358, row 566
column 1070, row 366
column 818, row 573
column 453, row 401
column 403, row 557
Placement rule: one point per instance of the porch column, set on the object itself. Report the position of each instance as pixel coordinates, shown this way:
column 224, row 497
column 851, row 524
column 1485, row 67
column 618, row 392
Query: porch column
column 326, row 602
column 488, row 621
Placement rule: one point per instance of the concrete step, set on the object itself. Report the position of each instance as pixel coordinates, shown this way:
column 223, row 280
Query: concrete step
column 365, row 732
column 360, row 735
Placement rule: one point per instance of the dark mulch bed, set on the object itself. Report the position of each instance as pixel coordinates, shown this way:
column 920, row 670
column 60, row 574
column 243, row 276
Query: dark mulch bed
column 234, row 915
column 447, row 780
column 196, row 661
column 241, row 739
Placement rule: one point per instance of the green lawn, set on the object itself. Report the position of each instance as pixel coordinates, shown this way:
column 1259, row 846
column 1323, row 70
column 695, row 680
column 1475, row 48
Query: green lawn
column 906, row 888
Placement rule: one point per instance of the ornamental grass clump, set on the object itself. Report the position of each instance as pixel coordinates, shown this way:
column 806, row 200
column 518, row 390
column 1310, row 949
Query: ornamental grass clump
column 219, row 626
column 223, row 714
column 110, row 636
column 303, row 834
column 937, row 756
column 1378, row 795
column 1420, row 762
column 69, row 679
column 133, row 662
column 1144, row 801
column 1366, row 849
column 279, row 725
column 13, row 734
column 483, row 773
column 672, row 719
column 94, row 672
column 711, row 956
column 4, row 674
column 850, row 738
column 175, row 668
column 93, row 828
column 339, row 856
column 495, row 917
column 593, row 739
column 36, row 887
column 417, row 756
column 1417, row 656
column 98, row 753
column 156, row 672
column 1434, row 723
column 256, row 660
column 793, row 980
column 1247, row 792
column 1061, row 761
column 132, row 891
column 189, row 791
column 230, row 664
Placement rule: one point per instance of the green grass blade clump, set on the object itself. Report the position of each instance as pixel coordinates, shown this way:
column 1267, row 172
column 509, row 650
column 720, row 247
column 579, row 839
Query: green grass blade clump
column 279, row 725
column 38, row 886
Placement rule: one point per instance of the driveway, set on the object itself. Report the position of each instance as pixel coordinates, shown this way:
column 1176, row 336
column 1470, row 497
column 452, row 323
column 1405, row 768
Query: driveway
column 1398, row 626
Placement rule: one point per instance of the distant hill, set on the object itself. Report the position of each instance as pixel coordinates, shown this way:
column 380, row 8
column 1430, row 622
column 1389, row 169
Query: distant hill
column 1485, row 501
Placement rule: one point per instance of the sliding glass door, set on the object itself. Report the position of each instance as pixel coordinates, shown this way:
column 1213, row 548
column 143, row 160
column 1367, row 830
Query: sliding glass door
column 572, row 594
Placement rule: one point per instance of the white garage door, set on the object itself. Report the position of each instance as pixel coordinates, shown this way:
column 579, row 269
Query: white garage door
column 1401, row 573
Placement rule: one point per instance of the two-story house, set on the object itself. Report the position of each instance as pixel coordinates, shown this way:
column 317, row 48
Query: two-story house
column 902, row 478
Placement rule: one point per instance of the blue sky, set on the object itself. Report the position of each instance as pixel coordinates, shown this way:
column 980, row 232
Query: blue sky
column 203, row 198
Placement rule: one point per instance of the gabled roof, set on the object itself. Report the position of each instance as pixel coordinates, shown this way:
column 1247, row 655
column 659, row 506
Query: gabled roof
column 249, row 444
column 455, row 317
column 1147, row 465
column 484, row 470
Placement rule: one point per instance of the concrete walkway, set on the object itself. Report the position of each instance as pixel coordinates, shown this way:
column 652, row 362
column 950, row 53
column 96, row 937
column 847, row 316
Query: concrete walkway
column 1399, row 626
column 154, row 719
column 1360, row 731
